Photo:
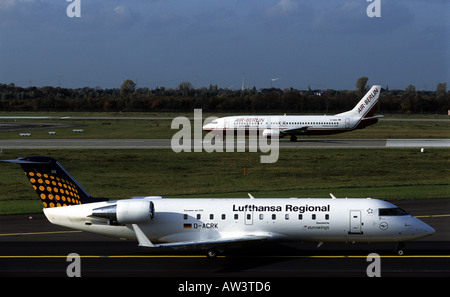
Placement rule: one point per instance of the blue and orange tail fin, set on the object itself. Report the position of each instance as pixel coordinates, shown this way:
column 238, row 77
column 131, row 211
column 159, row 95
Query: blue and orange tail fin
column 53, row 184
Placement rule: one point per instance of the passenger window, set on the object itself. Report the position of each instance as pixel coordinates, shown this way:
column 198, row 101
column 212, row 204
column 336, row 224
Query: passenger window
column 300, row 217
column 261, row 216
column 313, row 216
column 236, row 216
column 274, row 216
column 223, row 216
column 211, row 217
column 286, row 216
column 327, row 217
column 199, row 216
column 185, row 216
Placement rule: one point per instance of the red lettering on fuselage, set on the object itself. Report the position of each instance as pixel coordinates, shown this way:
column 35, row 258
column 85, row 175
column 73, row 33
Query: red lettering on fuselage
column 367, row 100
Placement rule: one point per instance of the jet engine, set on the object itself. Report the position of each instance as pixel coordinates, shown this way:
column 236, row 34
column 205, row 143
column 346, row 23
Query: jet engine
column 127, row 212
column 271, row 133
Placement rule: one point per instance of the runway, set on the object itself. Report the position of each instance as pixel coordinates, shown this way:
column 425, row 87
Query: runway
column 202, row 144
column 34, row 247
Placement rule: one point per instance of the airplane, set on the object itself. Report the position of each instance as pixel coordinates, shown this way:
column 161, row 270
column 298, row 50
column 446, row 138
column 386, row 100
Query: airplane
column 361, row 116
column 212, row 225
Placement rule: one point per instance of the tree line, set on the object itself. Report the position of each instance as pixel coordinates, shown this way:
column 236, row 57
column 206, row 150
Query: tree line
column 215, row 99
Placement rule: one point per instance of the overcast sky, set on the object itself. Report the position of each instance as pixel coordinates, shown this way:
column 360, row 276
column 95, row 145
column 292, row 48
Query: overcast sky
column 322, row 44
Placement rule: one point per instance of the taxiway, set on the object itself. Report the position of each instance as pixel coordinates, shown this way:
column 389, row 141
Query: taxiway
column 166, row 143
column 34, row 247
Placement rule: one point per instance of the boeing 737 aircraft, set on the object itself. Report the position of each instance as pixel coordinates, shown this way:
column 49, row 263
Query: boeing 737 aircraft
column 213, row 224
column 361, row 116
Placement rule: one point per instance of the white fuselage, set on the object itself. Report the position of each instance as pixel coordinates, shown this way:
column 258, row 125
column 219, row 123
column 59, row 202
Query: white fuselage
column 293, row 219
column 316, row 125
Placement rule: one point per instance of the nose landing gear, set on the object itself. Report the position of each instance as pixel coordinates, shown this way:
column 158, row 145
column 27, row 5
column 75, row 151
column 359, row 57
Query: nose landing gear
column 399, row 249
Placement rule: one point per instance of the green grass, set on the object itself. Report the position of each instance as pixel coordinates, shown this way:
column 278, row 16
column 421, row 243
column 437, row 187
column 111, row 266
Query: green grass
column 118, row 174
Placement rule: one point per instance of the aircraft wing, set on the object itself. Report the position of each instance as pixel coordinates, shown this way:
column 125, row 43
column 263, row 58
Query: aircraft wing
column 294, row 131
column 215, row 242
column 201, row 244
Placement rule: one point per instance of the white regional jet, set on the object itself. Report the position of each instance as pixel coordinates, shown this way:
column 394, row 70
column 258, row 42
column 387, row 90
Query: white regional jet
column 212, row 224
column 361, row 116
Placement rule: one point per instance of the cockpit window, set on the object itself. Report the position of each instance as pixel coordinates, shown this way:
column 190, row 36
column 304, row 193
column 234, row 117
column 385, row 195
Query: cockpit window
column 392, row 212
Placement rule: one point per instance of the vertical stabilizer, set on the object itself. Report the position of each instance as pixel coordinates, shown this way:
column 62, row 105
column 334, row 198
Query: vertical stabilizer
column 53, row 184
column 366, row 106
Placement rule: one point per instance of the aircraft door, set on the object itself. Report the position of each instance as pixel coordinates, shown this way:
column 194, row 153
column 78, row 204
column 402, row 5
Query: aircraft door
column 355, row 222
column 347, row 123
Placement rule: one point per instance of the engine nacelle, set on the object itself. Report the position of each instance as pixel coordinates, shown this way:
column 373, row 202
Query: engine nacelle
column 127, row 211
column 271, row 133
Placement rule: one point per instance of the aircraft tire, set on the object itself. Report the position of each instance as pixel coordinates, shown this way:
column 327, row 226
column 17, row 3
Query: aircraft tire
column 399, row 249
column 212, row 253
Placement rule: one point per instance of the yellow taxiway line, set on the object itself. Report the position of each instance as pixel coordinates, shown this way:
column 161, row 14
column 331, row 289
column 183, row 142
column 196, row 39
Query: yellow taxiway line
column 39, row 233
column 203, row 256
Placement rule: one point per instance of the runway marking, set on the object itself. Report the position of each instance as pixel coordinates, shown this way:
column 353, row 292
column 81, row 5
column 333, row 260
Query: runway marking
column 103, row 256
column 202, row 256
column 434, row 216
column 40, row 233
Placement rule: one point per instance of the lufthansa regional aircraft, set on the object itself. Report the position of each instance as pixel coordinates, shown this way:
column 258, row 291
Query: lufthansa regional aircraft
column 213, row 224
column 361, row 116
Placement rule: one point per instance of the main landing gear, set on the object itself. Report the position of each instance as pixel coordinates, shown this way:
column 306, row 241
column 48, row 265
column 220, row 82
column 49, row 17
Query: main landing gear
column 212, row 253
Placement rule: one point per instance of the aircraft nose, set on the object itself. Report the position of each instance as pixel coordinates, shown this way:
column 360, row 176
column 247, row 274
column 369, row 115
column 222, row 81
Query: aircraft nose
column 429, row 230
column 425, row 229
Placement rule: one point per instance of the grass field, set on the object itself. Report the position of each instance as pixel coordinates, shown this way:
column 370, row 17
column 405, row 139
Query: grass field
column 384, row 174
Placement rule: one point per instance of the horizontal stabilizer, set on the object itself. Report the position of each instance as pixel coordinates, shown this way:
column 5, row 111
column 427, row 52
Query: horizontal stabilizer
column 372, row 118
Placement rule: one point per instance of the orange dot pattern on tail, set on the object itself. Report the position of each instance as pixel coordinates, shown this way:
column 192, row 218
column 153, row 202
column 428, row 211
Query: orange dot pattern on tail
column 53, row 190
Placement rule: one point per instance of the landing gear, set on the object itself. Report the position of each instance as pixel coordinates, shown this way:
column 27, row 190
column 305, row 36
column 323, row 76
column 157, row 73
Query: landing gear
column 211, row 253
column 399, row 249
